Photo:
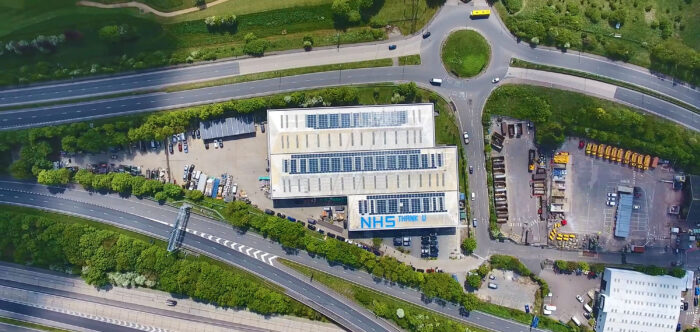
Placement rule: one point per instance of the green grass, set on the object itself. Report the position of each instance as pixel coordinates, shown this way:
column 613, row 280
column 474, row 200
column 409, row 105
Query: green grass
column 384, row 305
column 524, row 64
column 184, row 38
column 409, row 60
column 637, row 30
column 161, row 5
column 465, row 53
column 282, row 73
column 16, row 322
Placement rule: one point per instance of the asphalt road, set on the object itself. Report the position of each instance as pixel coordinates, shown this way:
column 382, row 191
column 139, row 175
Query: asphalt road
column 61, row 317
column 125, row 305
column 148, row 217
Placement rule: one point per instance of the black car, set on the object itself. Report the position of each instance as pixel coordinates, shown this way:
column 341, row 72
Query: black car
column 340, row 238
column 270, row 212
column 311, row 221
column 262, row 127
column 392, row 47
column 320, row 231
column 420, row 270
column 206, row 146
column 292, row 219
column 311, row 227
column 197, row 132
column 398, row 242
column 171, row 302
column 331, row 235
column 170, row 147
column 281, row 215
column 471, row 169
column 685, row 305
column 424, row 241
column 695, row 301
column 433, row 254
column 426, row 34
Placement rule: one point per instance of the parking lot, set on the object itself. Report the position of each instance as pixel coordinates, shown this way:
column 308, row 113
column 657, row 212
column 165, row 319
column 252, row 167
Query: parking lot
column 513, row 291
column 593, row 178
column 523, row 218
column 564, row 288
column 446, row 243
column 689, row 318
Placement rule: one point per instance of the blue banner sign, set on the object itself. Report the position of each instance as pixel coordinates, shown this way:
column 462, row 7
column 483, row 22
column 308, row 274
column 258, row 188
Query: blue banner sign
column 383, row 222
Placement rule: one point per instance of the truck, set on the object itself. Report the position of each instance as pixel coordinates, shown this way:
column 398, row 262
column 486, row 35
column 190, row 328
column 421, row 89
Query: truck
column 520, row 129
column 647, row 161
column 588, row 147
column 607, row 151
column 628, row 153
column 511, row 130
column 601, row 150
column 531, row 160
column 640, row 161
column 503, row 128
column 638, row 249
column 619, row 155
column 613, row 154
column 633, row 160
column 654, row 162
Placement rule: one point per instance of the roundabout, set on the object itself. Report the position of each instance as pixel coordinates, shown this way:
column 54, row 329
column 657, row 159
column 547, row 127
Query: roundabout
column 465, row 53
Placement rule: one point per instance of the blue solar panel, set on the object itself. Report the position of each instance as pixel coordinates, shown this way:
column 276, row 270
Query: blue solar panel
column 364, row 161
column 335, row 164
column 359, row 120
column 624, row 214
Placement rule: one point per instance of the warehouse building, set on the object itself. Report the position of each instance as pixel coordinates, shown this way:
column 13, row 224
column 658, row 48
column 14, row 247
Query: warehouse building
column 382, row 158
column 228, row 127
column 634, row 301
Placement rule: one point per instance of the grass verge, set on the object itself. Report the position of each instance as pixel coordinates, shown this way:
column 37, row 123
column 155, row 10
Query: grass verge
column 35, row 326
column 281, row 73
column 465, row 53
column 415, row 318
column 529, row 65
column 409, row 60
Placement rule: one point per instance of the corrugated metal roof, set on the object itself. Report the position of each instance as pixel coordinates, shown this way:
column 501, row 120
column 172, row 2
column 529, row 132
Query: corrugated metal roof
column 624, row 214
column 233, row 126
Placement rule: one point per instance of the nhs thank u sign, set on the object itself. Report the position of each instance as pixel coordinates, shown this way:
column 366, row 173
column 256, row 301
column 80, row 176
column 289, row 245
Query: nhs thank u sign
column 383, row 222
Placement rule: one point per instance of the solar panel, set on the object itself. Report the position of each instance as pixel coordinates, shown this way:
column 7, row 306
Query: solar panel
column 359, row 120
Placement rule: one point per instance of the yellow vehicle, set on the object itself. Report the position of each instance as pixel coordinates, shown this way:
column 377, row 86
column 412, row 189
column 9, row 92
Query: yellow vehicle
column 607, row 151
column 640, row 161
column 647, row 161
column 613, row 154
column 573, row 236
column 594, row 149
column 619, row 155
column 551, row 238
column 633, row 160
column 480, row 13
column 601, row 150
column 627, row 156
column 588, row 148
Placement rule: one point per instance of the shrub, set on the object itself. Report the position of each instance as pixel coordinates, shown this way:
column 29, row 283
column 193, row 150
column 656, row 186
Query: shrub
column 117, row 33
column 54, row 177
column 513, row 6
column 255, row 47
column 221, row 23
column 618, row 51
column 377, row 22
column 469, row 245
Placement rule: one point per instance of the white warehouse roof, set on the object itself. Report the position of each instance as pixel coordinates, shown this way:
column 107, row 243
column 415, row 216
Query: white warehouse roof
column 351, row 128
column 636, row 302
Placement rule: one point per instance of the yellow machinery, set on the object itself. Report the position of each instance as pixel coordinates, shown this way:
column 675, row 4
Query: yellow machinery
column 619, row 155
column 633, row 160
column 601, row 150
column 613, row 155
column 561, row 158
column 588, row 148
column 647, row 161
column 607, row 151
column 594, row 149
column 640, row 161
column 628, row 153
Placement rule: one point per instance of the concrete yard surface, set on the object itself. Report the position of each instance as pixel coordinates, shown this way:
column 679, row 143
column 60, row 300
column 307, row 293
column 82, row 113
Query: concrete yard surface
column 514, row 291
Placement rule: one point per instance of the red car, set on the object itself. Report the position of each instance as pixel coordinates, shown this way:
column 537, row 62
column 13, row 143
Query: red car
column 581, row 144
column 179, row 146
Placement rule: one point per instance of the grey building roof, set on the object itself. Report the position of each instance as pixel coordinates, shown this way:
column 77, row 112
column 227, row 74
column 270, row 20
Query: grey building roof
column 694, row 208
column 624, row 214
column 227, row 127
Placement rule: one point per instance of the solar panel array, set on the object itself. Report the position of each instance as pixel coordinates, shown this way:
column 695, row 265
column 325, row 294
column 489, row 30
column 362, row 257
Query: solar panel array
column 233, row 126
column 367, row 161
column 402, row 204
column 356, row 120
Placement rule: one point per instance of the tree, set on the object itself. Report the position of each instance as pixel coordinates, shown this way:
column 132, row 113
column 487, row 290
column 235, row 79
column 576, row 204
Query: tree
column 121, row 183
column 54, row 177
column 84, row 178
column 161, row 196
column 469, row 301
column 172, row 191
column 200, row 3
column 474, row 281
column 194, row 195
column 255, row 47
column 469, row 245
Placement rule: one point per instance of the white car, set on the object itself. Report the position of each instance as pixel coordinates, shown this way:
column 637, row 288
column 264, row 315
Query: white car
column 579, row 298
column 611, row 203
column 495, row 80
column 612, row 195
column 466, row 138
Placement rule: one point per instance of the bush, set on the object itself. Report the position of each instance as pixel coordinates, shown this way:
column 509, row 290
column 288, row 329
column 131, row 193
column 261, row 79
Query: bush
column 115, row 34
column 469, row 245
column 255, row 47
column 377, row 22
column 513, row 6
column 474, row 281
column 618, row 51
column 221, row 23
column 54, row 177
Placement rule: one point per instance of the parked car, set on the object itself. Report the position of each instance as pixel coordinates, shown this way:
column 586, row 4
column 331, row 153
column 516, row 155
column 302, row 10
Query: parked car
column 493, row 285
column 311, row 221
column 340, row 238
column 320, row 231
column 426, row 34
column 527, row 308
column 492, row 277
column 179, row 146
column 186, row 148
column 281, row 215
column 292, row 219
column 495, row 80
column 466, row 137
column 398, row 242
column 221, row 143
column 612, row 194
column 579, row 298
column 206, row 145
column 170, row 147
column 471, row 169
column 611, row 203
column 311, row 227
column 262, row 127
column 331, row 235
column 197, row 132
column 406, row 241
column 392, row 47
column 171, row 303
column 474, row 222
column 270, row 212
column 685, row 305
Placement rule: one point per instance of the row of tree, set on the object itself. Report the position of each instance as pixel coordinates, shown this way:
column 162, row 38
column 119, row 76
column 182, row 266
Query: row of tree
column 107, row 257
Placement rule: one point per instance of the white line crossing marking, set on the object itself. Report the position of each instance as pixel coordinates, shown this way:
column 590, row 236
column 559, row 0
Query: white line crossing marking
column 241, row 248
column 255, row 254
column 247, row 251
column 226, row 242
column 262, row 257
